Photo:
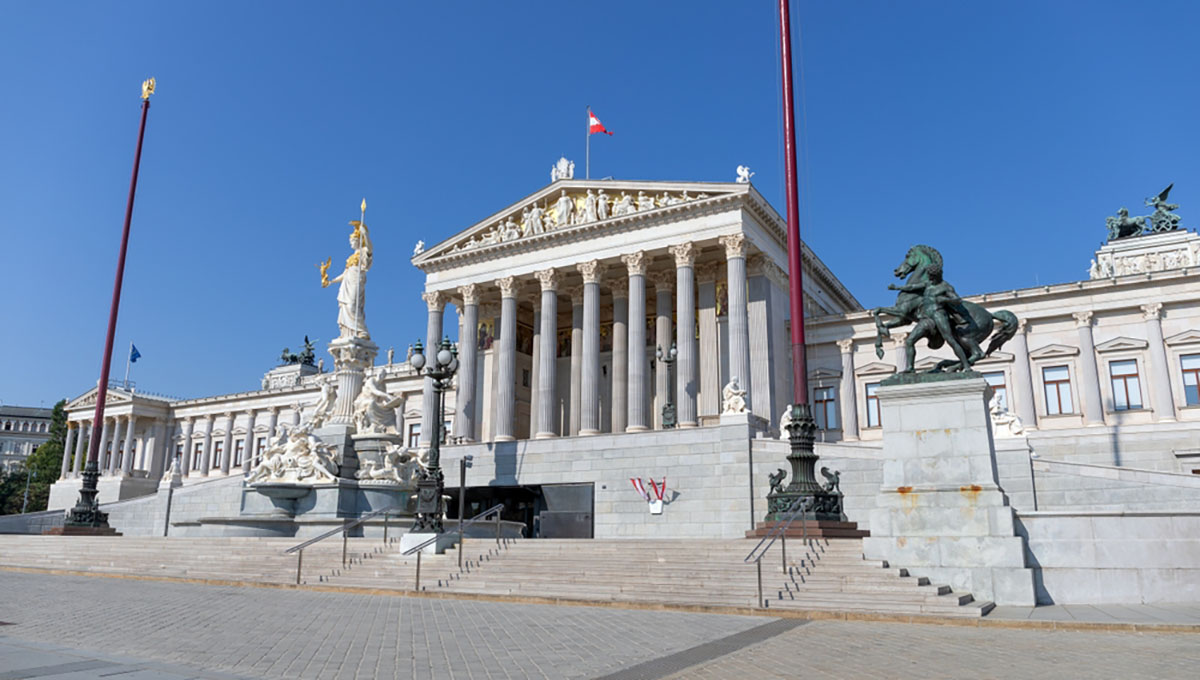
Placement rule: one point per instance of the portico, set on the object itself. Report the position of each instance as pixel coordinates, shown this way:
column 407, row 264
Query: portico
column 697, row 264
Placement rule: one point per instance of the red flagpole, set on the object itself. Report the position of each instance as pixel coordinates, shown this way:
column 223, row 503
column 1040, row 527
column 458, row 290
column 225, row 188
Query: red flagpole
column 94, row 443
column 795, row 273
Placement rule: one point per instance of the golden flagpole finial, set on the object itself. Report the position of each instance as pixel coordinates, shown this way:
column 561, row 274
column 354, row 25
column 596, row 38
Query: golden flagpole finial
column 147, row 88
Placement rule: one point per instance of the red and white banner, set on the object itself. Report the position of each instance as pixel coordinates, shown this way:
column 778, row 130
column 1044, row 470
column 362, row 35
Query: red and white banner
column 594, row 125
column 640, row 487
column 659, row 489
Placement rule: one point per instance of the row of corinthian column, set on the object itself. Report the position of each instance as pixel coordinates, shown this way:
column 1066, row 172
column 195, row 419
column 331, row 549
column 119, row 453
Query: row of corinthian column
column 698, row 364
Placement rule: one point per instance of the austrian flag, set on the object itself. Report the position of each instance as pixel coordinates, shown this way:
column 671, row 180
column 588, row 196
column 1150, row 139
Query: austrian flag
column 594, row 125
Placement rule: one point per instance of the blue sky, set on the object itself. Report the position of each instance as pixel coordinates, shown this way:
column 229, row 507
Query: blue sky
column 1002, row 133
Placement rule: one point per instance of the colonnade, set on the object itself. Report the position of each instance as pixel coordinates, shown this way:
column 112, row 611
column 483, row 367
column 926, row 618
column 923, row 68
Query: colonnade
column 698, row 365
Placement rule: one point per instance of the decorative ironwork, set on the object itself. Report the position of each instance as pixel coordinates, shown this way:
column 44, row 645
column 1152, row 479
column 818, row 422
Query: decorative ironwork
column 823, row 502
column 431, row 482
column 668, row 409
column 86, row 512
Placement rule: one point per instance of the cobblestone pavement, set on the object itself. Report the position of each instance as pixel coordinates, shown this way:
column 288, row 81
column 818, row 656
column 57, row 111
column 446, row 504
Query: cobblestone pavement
column 265, row 633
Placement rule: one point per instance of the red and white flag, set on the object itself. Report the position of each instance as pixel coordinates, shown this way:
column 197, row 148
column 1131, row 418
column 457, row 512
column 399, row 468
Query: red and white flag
column 594, row 125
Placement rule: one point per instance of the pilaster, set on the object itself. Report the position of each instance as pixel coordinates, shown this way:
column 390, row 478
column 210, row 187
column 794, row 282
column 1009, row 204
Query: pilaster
column 1161, row 399
column 1089, row 379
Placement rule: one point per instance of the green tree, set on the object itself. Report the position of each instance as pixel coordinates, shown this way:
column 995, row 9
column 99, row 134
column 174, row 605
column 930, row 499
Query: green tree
column 46, row 461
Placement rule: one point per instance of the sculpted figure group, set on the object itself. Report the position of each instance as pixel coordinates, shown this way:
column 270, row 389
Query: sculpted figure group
column 296, row 457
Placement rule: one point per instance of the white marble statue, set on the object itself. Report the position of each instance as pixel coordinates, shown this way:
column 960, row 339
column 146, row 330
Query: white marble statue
column 1094, row 270
column 601, row 206
column 352, row 320
column 297, row 457
column 536, row 220
column 744, row 174
column 374, row 408
column 644, row 202
column 1004, row 423
column 323, row 408
column 623, row 205
column 509, row 231
column 563, row 209
column 391, row 355
column 563, row 169
column 784, row 421
column 398, row 467
column 419, row 248
column 589, row 208
column 733, row 397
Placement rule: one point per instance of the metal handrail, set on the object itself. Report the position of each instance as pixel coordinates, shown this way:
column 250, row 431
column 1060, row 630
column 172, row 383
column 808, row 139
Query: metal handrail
column 462, row 525
column 794, row 510
column 299, row 549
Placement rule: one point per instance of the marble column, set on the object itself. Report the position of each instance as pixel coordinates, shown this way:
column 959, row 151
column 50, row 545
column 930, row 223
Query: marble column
column 710, row 359
column 80, row 450
column 206, row 450
column 635, row 265
column 534, row 364
column 158, row 450
column 272, row 424
column 1161, row 399
column 506, row 373
column 899, row 356
column 435, row 301
column 849, row 391
column 589, row 412
column 620, row 355
column 760, row 325
column 127, row 457
column 1022, row 392
column 468, row 352
column 576, row 412
column 227, row 444
column 662, row 338
column 111, row 468
column 248, row 446
column 685, row 367
column 739, row 334
column 548, row 338
column 1089, row 379
column 185, row 464
column 72, row 428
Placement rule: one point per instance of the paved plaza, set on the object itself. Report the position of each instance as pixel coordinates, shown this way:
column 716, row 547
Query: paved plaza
column 79, row 627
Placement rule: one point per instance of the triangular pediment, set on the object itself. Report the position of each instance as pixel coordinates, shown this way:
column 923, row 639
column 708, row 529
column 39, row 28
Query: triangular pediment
column 539, row 216
column 113, row 396
column 995, row 358
column 926, row 363
column 1054, row 350
column 824, row 373
column 1122, row 343
column 875, row 368
column 1188, row 337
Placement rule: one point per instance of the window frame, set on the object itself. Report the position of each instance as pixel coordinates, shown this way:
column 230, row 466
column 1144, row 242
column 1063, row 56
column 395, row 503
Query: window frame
column 1123, row 380
column 868, row 398
column 1195, row 373
column 822, row 408
column 1058, row 391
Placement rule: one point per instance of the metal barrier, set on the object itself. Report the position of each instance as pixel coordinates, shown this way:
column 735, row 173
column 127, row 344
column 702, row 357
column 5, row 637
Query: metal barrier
column 344, row 529
column 797, row 508
column 495, row 509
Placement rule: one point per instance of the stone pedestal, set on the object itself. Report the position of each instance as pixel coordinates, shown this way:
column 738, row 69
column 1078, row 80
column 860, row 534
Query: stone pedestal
column 436, row 548
column 940, row 512
column 351, row 358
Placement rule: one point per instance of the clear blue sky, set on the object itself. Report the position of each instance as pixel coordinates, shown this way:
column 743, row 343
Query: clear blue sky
column 1002, row 133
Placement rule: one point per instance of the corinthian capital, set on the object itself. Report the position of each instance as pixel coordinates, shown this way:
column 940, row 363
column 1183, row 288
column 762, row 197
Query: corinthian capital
column 735, row 245
column 635, row 263
column 435, row 300
column 1083, row 319
column 591, row 271
column 619, row 288
column 549, row 279
column 846, row 345
column 662, row 279
column 707, row 271
column 1152, row 310
column 685, row 254
column 469, row 293
column 508, row 286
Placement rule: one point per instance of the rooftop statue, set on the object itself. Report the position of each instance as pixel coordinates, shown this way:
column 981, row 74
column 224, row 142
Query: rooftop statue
column 563, row 169
column 940, row 315
column 352, row 319
column 744, row 174
column 1163, row 218
column 1123, row 226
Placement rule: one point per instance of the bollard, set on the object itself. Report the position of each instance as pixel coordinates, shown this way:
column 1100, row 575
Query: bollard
column 783, row 549
column 299, row 563
column 418, row 588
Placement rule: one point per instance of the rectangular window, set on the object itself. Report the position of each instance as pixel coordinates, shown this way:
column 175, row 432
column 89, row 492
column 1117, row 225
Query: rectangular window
column 1127, row 390
column 414, row 435
column 179, row 454
column 1191, row 378
column 239, row 448
column 874, row 418
column 996, row 380
column 825, row 408
column 258, row 449
column 1057, row 380
column 197, row 454
column 218, row 451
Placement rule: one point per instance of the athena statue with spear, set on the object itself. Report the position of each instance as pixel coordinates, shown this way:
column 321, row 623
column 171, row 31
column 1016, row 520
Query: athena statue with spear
column 352, row 319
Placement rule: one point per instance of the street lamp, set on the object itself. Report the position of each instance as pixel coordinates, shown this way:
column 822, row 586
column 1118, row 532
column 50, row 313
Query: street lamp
column 31, row 472
column 668, row 409
column 431, row 482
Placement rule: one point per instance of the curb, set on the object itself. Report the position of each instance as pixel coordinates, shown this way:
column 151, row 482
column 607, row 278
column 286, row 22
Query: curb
column 808, row 614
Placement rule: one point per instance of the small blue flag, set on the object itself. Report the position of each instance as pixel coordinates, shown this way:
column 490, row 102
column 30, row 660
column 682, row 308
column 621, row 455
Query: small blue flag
column 134, row 355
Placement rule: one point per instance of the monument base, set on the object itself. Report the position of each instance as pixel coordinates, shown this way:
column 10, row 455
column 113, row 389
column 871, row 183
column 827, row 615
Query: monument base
column 813, row 528
column 438, row 547
column 940, row 512
column 68, row 530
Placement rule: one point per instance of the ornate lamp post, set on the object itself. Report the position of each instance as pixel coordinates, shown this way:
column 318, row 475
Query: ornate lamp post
column 432, row 482
column 668, row 409
column 822, row 502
